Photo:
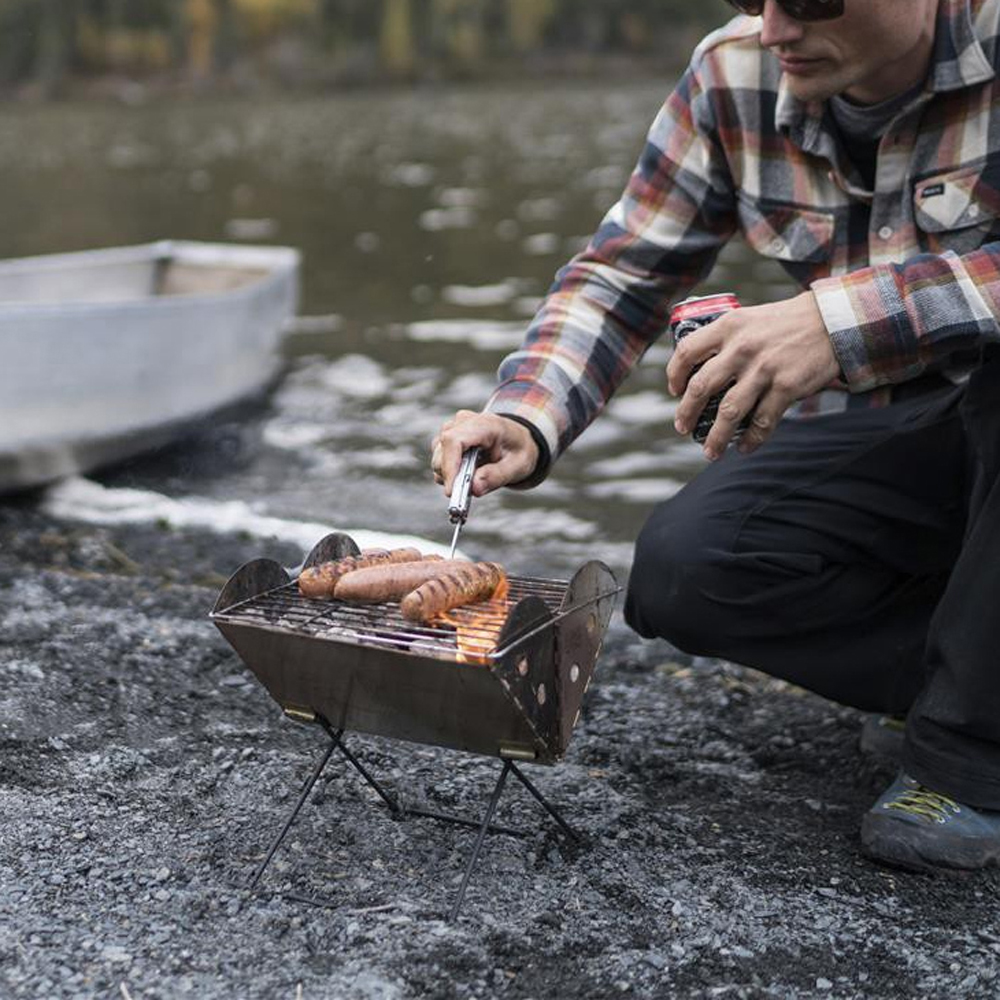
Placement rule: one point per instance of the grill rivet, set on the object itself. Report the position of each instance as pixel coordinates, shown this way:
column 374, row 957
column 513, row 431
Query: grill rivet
column 574, row 672
column 522, row 666
column 540, row 694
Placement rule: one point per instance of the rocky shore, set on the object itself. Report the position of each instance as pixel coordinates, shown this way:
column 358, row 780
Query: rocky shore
column 143, row 773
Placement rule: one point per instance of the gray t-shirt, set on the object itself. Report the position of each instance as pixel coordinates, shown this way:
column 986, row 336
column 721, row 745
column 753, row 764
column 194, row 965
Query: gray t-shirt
column 862, row 125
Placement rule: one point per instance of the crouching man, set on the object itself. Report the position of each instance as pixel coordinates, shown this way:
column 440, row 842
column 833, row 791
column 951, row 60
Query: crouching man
column 850, row 541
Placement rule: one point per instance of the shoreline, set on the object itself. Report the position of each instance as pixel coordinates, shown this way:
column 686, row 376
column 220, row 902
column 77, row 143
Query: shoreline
column 136, row 91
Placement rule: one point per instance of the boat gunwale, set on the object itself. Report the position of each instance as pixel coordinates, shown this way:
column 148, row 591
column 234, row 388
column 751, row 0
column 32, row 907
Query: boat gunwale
column 276, row 263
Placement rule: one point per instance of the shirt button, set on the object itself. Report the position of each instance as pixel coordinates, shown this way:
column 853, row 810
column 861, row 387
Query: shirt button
column 885, row 232
column 776, row 246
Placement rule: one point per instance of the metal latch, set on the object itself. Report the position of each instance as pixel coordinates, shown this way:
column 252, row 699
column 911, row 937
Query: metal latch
column 299, row 714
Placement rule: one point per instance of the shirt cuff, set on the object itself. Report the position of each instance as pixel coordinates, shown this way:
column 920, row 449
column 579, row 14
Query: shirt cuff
column 544, row 463
column 527, row 403
column 869, row 328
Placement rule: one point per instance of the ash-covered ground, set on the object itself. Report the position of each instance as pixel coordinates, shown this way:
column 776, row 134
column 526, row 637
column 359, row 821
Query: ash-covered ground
column 144, row 772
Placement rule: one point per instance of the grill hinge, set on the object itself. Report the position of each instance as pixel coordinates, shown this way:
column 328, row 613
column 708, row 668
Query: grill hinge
column 297, row 714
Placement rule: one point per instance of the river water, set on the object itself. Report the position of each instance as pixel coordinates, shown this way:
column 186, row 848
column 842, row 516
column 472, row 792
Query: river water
column 431, row 222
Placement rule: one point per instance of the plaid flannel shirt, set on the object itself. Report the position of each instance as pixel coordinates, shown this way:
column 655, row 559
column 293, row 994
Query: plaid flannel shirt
column 907, row 276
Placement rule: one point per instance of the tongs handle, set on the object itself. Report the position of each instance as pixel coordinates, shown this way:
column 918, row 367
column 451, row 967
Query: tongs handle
column 461, row 490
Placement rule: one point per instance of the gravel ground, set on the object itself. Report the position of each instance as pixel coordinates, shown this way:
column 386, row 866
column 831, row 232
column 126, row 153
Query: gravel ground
column 144, row 772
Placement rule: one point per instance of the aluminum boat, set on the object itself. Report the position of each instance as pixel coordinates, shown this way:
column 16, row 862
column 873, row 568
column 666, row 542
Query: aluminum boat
column 105, row 354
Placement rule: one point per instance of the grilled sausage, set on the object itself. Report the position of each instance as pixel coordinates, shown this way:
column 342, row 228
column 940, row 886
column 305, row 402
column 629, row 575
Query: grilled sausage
column 321, row 580
column 468, row 584
column 390, row 583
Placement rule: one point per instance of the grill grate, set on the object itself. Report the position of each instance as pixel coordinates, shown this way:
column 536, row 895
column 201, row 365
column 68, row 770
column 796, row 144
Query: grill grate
column 382, row 625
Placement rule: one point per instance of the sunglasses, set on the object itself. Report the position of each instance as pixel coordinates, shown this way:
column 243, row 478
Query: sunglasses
column 801, row 10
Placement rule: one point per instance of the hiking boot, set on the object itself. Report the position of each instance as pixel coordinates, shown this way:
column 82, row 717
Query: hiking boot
column 882, row 736
column 913, row 827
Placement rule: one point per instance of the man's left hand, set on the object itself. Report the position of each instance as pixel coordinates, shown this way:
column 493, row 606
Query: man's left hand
column 763, row 358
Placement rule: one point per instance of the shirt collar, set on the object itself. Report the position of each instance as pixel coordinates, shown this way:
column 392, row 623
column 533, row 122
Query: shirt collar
column 958, row 60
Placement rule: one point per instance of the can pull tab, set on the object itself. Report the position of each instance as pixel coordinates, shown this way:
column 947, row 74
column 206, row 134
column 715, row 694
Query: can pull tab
column 461, row 491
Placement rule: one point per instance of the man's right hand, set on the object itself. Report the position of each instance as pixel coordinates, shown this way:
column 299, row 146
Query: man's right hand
column 509, row 453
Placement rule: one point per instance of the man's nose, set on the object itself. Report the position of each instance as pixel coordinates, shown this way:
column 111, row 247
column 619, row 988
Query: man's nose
column 778, row 28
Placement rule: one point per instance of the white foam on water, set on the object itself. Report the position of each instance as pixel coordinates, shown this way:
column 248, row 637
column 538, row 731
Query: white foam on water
column 289, row 436
column 636, row 490
column 628, row 464
column 612, row 175
column 468, row 391
column 357, row 375
column 409, row 175
column 480, row 295
column 535, row 523
column 437, row 219
column 461, row 197
column 394, row 459
column 541, row 244
column 79, row 499
column 421, row 422
column 317, row 324
column 251, row 229
column 539, row 210
column 322, row 392
column 484, row 335
column 600, row 434
column 649, row 407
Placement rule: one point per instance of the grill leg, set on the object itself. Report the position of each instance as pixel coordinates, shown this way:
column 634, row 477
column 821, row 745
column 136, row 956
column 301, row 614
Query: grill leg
column 545, row 804
column 335, row 735
column 314, row 777
column 485, row 826
column 477, row 850
column 395, row 807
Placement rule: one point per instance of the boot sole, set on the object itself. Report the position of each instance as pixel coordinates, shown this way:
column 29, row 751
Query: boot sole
column 898, row 844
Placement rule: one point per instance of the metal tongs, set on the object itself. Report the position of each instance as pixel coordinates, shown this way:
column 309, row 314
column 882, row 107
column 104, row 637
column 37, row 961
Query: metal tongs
column 461, row 494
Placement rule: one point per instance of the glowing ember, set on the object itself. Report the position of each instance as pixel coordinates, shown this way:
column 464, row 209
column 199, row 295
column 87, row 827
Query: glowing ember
column 477, row 627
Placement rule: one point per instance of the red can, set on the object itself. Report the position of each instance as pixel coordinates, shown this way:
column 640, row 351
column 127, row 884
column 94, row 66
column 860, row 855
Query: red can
column 688, row 316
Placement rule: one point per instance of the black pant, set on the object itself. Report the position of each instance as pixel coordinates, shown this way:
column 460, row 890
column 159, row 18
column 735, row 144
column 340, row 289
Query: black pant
column 857, row 555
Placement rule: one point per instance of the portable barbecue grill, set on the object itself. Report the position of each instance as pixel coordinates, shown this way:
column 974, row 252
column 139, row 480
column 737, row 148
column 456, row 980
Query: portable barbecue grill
column 504, row 678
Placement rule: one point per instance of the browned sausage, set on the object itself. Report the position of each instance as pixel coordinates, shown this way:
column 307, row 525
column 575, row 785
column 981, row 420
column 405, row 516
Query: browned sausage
column 321, row 580
column 390, row 583
column 470, row 583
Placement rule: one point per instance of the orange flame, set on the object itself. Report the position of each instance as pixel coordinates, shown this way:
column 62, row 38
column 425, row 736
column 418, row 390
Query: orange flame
column 477, row 627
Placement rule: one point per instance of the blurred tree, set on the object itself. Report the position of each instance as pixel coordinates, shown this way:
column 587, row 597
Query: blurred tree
column 18, row 33
column 460, row 25
column 396, row 40
column 54, row 46
column 44, row 41
column 349, row 21
column 261, row 20
column 527, row 21
column 202, row 20
column 227, row 42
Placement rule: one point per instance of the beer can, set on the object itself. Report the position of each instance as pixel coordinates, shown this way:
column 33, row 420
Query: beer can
column 688, row 316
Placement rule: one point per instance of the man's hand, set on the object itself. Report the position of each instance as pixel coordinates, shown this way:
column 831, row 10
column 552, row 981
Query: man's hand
column 763, row 357
column 509, row 453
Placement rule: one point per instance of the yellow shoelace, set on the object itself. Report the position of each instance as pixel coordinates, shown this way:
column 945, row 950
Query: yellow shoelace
column 923, row 802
